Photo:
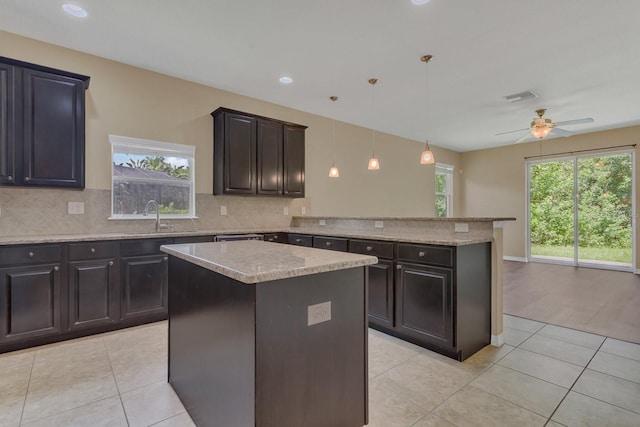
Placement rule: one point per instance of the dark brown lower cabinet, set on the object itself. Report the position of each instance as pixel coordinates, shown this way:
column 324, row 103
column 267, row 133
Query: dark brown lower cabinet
column 93, row 298
column 143, row 286
column 381, row 293
column 30, row 302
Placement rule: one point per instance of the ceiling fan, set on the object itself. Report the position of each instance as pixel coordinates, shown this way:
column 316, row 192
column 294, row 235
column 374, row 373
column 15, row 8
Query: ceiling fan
column 541, row 127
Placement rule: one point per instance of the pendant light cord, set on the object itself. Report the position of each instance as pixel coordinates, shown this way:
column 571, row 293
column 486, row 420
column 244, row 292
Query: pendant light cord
column 426, row 100
column 373, row 112
column 334, row 99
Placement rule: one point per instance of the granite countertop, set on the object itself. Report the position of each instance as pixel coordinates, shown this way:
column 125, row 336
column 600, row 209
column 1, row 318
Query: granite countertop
column 404, row 218
column 252, row 262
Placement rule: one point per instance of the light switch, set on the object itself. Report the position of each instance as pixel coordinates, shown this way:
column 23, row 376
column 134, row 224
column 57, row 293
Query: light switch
column 318, row 313
column 378, row 224
column 223, row 210
column 75, row 208
column 285, row 210
column 303, row 210
column 461, row 227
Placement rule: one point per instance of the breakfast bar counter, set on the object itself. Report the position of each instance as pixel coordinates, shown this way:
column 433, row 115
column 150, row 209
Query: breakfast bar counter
column 264, row 334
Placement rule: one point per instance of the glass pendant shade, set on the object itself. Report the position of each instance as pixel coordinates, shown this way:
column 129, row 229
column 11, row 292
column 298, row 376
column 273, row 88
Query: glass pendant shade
column 540, row 131
column 334, row 172
column 374, row 164
column 427, row 157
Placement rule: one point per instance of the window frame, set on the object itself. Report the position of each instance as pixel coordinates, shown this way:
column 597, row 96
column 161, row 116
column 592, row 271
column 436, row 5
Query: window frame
column 447, row 171
column 147, row 147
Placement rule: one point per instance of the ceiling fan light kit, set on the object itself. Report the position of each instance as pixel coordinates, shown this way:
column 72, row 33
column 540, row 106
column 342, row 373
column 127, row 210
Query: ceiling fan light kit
column 541, row 127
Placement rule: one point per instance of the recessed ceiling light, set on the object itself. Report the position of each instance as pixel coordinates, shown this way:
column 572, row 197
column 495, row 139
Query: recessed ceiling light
column 74, row 10
column 286, row 80
column 420, row 2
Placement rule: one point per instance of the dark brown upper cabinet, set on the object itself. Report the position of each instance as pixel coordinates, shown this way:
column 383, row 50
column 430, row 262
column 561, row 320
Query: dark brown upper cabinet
column 255, row 155
column 42, row 112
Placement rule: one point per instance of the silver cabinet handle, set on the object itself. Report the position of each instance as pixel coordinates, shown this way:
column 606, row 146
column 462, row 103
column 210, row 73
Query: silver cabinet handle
column 399, row 267
column 56, row 268
column 27, row 178
column 9, row 178
column 31, row 254
column 298, row 240
column 328, row 243
column 369, row 248
column 165, row 258
column 421, row 254
column 93, row 250
column 110, row 263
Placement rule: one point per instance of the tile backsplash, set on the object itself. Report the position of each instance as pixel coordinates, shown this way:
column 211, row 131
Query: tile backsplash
column 34, row 211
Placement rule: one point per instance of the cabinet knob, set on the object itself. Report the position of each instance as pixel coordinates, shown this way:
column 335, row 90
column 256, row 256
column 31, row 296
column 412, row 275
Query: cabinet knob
column 275, row 237
column 110, row 263
column 369, row 248
column 165, row 258
column 9, row 178
column 298, row 240
column 93, row 250
column 56, row 268
column 27, row 178
column 328, row 243
column 31, row 254
column 399, row 267
column 421, row 254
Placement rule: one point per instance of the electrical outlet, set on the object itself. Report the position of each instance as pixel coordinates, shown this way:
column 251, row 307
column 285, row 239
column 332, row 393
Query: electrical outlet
column 378, row 224
column 223, row 210
column 322, row 222
column 285, row 210
column 318, row 313
column 303, row 210
column 461, row 227
column 75, row 208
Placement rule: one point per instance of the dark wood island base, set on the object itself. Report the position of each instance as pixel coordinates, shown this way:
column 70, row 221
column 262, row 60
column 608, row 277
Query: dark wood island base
column 245, row 354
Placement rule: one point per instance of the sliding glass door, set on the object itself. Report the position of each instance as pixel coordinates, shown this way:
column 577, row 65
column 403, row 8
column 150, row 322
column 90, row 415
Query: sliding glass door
column 580, row 210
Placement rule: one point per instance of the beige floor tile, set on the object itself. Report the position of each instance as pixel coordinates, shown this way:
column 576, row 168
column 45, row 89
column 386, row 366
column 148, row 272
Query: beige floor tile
column 621, row 348
column 67, row 376
column 610, row 389
column 432, row 420
column 426, row 385
column 486, row 357
column 474, row 407
column 618, row 366
column 138, row 356
column 15, row 371
column 560, row 350
column 515, row 337
column 524, row 390
column 105, row 413
column 542, row 367
column 580, row 410
column 583, row 339
column 552, row 423
column 151, row 404
column 386, row 352
column 521, row 324
column 182, row 420
column 388, row 409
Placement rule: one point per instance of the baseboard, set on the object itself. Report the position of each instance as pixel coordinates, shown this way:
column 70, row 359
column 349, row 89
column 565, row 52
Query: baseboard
column 636, row 271
column 497, row 340
column 514, row 258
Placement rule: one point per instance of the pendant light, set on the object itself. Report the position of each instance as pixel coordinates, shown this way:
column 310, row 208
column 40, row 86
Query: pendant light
column 334, row 172
column 374, row 164
column 426, row 158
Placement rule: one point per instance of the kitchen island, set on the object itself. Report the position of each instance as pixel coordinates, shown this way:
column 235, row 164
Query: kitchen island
column 263, row 334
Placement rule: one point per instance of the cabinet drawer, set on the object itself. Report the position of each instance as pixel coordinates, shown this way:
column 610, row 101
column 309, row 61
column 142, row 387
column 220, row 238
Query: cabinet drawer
column 194, row 239
column 300, row 240
column 332, row 243
column 143, row 247
column 31, row 254
column 372, row 247
column 92, row 250
column 425, row 254
column 275, row 237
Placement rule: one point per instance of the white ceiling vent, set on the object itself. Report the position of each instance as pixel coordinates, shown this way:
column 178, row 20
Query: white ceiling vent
column 522, row 96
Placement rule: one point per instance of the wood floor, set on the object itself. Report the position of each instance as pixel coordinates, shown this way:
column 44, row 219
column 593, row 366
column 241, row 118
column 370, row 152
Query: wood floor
column 598, row 301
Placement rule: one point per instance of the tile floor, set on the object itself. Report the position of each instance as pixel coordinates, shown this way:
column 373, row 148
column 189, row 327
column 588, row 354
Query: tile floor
column 543, row 375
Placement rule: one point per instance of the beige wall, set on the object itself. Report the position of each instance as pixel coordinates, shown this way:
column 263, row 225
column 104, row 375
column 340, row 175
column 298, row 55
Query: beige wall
column 129, row 101
column 494, row 180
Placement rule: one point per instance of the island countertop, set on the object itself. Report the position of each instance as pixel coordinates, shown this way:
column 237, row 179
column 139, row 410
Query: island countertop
column 251, row 261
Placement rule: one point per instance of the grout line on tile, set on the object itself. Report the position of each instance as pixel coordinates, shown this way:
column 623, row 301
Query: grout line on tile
column 26, row 393
column 113, row 374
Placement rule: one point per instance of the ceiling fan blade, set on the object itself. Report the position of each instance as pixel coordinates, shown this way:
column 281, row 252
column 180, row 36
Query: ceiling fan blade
column 561, row 132
column 575, row 122
column 524, row 137
column 511, row 131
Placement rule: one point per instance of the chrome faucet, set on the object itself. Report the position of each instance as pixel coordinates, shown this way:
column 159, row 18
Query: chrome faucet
column 153, row 203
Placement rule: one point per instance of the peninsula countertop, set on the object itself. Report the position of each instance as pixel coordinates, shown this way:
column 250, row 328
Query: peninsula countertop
column 252, row 262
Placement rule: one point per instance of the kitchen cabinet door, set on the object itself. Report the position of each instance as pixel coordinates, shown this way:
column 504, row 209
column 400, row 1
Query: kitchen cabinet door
column 29, row 302
column 234, row 154
column 143, row 286
column 293, row 161
column 53, row 130
column 381, row 295
column 424, row 303
column 269, row 172
column 93, row 298
column 7, row 124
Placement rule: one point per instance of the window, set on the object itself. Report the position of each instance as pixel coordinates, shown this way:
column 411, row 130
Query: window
column 444, row 190
column 144, row 170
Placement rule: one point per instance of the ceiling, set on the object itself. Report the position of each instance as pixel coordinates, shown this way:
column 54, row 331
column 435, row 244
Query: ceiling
column 581, row 57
